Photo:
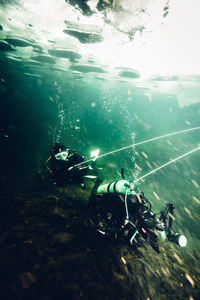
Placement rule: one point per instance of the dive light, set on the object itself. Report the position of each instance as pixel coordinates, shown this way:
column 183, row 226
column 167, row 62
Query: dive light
column 178, row 239
column 94, row 154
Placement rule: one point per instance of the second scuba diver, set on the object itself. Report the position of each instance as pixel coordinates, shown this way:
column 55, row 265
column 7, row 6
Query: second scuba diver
column 63, row 167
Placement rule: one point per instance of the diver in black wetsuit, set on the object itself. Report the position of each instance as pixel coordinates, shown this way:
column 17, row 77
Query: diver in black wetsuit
column 62, row 162
column 117, row 211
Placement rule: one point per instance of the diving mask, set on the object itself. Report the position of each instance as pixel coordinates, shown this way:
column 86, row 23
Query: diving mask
column 61, row 155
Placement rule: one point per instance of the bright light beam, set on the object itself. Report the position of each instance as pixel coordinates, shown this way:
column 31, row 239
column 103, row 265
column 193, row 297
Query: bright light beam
column 166, row 164
column 139, row 143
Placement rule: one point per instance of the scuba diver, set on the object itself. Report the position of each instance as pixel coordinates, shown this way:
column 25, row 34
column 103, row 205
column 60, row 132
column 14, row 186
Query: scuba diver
column 63, row 166
column 120, row 212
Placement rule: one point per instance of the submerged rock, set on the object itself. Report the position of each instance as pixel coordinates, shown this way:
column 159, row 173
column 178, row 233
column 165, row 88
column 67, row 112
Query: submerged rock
column 85, row 37
column 4, row 46
column 19, row 42
column 64, row 54
column 104, row 4
column 82, row 5
column 32, row 75
column 101, row 78
column 43, row 59
column 85, row 33
column 77, row 74
column 85, row 8
column 165, row 78
column 129, row 74
column 88, row 68
column 32, row 63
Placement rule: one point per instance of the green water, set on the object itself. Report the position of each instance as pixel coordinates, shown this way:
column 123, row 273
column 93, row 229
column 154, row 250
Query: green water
column 42, row 103
column 106, row 115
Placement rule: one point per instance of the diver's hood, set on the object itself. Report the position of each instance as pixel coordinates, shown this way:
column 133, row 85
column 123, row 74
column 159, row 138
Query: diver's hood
column 58, row 147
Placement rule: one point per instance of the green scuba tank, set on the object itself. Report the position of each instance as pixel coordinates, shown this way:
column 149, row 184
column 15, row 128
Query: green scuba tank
column 120, row 186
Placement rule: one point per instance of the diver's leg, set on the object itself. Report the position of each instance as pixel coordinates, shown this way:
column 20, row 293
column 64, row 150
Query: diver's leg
column 92, row 198
column 96, row 185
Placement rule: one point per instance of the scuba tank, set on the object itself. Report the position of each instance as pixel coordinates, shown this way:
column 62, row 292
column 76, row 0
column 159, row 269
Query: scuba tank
column 119, row 186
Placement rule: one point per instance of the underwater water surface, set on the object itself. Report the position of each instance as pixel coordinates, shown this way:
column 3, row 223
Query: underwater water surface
column 64, row 78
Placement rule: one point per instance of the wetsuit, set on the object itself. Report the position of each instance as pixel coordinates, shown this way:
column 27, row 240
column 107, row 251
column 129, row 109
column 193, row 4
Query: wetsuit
column 60, row 169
